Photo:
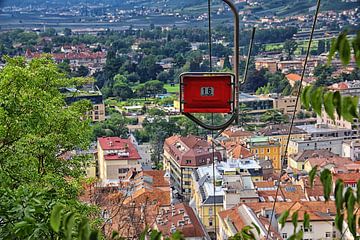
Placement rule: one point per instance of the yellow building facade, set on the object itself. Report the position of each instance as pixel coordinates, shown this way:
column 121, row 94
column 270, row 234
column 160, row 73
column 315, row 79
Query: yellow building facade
column 266, row 148
column 207, row 204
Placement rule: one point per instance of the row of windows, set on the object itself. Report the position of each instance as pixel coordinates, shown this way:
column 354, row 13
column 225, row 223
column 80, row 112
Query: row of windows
column 262, row 150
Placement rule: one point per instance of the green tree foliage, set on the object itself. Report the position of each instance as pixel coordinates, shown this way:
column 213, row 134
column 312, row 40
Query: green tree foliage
column 159, row 128
column 323, row 74
column 67, row 32
column 36, row 129
column 82, row 71
column 321, row 47
column 273, row 117
column 114, row 126
column 277, row 83
column 290, row 47
column 121, row 88
column 150, row 88
column 148, row 68
column 255, row 80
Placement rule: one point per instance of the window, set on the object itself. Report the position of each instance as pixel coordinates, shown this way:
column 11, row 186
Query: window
column 284, row 235
column 123, row 170
column 210, row 211
column 210, row 222
column 188, row 161
column 268, row 150
column 96, row 112
column 309, row 229
column 96, row 107
column 328, row 234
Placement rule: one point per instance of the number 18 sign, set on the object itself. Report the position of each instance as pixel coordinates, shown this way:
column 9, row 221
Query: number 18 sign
column 207, row 92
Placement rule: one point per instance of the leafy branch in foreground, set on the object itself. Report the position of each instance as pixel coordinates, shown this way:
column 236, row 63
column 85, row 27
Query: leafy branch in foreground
column 318, row 97
column 347, row 202
column 341, row 44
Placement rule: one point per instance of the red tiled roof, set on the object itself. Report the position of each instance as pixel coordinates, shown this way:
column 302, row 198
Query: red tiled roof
column 236, row 133
column 347, row 177
column 339, row 86
column 240, row 152
column 338, row 162
column 190, row 150
column 191, row 228
column 70, row 56
column 293, row 77
column 116, row 143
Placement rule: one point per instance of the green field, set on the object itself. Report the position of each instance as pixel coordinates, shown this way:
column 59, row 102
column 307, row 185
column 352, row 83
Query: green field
column 172, row 89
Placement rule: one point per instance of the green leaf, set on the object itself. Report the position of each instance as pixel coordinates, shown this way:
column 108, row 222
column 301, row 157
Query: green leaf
column 312, row 175
column 257, row 227
column 283, row 217
column 339, row 201
column 350, row 214
column 348, row 192
column 326, row 180
column 305, row 97
column 114, row 235
column 337, row 102
column 143, row 234
column 333, row 49
column 55, row 217
column 69, row 221
column 347, row 108
column 155, row 235
column 356, row 47
column 344, row 51
column 329, row 105
column 94, row 235
column 84, row 229
column 299, row 235
column 316, row 100
column 339, row 219
column 306, row 223
column 354, row 107
column 294, row 220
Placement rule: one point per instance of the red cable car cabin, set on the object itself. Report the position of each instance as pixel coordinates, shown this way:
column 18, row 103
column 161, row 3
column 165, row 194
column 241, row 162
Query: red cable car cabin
column 207, row 92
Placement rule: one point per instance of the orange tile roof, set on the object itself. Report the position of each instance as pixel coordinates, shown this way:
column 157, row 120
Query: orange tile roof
column 240, row 152
column 236, row 133
column 318, row 211
column 348, row 178
column 339, row 163
column 293, row 77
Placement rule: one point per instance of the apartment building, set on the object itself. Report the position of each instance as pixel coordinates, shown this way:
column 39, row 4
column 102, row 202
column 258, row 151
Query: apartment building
column 286, row 104
column 265, row 148
column 97, row 113
column 115, row 158
column 183, row 155
column 280, row 132
column 321, row 221
column 351, row 88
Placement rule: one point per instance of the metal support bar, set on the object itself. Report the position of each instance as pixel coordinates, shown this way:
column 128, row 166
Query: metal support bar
column 236, row 55
column 235, row 115
column 249, row 54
